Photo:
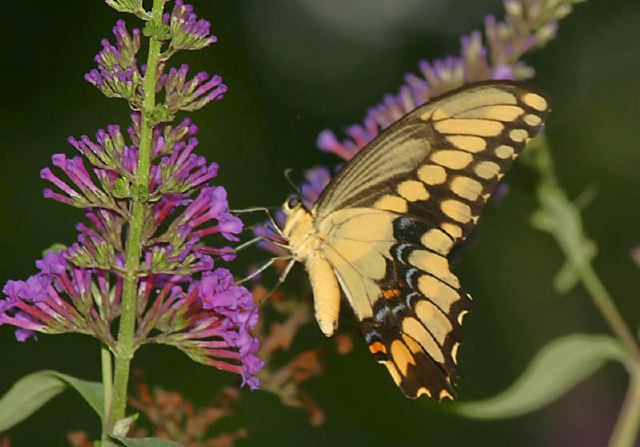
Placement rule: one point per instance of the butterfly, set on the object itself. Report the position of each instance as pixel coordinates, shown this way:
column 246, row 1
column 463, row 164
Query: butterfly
column 383, row 228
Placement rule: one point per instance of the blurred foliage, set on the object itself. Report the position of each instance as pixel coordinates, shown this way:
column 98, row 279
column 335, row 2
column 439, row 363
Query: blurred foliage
column 295, row 67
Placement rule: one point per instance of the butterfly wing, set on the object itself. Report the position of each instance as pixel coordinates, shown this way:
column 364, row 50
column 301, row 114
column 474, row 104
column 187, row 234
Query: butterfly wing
column 444, row 159
column 392, row 215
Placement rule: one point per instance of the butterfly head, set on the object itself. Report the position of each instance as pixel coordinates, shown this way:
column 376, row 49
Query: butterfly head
column 292, row 204
column 299, row 226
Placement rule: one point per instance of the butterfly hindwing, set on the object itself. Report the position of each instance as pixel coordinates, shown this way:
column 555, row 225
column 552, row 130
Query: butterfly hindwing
column 409, row 304
column 421, row 307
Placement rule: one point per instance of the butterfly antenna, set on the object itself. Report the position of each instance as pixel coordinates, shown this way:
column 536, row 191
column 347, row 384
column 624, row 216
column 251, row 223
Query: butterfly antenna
column 287, row 175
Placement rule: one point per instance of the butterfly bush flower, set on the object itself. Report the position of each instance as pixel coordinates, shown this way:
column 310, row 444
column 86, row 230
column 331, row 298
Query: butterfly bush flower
column 528, row 24
column 184, row 297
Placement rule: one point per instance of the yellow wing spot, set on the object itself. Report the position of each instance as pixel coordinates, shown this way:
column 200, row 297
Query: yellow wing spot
column 392, row 203
column 454, row 352
column 440, row 114
column 535, row 101
column 434, row 264
column 432, row 175
column 413, row 190
column 503, row 151
column 423, row 390
column 441, row 294
column 414, row 329
column 445, row 393
column 486, row 169
column 402, row 357
column 452, row 229
column 439, row 325
column 466, row 187
column 461, row 315
column 393, row 371
column 456, row 210
column 452, row 159
column 469, row 126
column 494, row 112
column 468, row 143
column 437, row 241
column 532, row 120
column 376, row 347
column 518, row 135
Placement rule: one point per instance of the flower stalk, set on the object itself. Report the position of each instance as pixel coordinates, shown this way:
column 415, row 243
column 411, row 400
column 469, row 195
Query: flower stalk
column 125, row 346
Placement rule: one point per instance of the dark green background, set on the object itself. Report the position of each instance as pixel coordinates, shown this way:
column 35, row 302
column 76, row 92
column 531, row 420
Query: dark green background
column 291, row 73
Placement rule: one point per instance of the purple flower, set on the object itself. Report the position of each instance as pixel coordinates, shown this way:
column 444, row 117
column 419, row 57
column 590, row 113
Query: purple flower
column 183, row 297
column 182, row 171
column 36, row 305
column 211, row 322
column 117, row 74
column 527, row 25
column 190, row 94
column 84, row 193
column 187, row 31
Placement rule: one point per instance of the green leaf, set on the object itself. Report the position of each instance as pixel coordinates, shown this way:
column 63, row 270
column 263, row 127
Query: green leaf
column 566, row 279
column 34, row 390
column 146, row 442
column 558, row 366
column 26, row 396
column 91, row 392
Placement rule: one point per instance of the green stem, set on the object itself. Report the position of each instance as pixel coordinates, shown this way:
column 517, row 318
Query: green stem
column 628, row 424
column 125, row 347
column 107, row 386
column 563, row 220
column 605, row 304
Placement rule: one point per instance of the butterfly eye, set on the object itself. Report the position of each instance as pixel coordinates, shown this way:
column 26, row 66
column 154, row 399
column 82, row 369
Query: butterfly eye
column 293, row 202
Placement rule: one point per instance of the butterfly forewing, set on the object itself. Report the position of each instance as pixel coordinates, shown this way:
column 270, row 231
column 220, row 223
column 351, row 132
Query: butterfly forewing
column 443, row 160
column 390, row 218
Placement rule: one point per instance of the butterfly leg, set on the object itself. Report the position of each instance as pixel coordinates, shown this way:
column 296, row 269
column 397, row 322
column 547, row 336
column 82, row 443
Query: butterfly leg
column 262, row 268
column 255, row 240
column 281, row 279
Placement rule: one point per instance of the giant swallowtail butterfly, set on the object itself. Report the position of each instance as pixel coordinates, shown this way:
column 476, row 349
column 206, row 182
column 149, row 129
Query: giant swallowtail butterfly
column 382, row 229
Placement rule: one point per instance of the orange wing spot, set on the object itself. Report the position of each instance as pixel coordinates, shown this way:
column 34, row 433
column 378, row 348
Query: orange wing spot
column 376, row 347
column 388, row 294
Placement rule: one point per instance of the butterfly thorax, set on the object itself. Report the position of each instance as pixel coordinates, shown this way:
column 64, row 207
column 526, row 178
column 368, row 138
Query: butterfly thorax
column 301, row 234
